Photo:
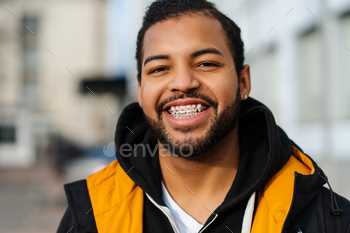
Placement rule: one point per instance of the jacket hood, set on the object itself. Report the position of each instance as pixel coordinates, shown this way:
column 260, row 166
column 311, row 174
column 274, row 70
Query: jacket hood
column 264, row 149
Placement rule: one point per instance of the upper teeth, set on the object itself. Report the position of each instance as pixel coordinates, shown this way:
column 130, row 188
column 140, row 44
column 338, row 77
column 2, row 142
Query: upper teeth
column 186, row 110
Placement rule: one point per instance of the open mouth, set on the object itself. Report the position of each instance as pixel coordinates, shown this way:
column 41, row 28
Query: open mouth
column 187, row 111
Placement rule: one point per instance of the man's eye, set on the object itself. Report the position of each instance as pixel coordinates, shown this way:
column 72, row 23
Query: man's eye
column 208, row 64
column 160, row 69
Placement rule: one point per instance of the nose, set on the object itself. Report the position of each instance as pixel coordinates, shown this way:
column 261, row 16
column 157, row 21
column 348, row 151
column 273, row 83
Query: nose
column 183, row 80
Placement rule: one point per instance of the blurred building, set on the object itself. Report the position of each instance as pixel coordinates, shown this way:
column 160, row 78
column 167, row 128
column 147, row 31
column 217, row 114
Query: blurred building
column 299, row 53
column 124, row 22
column 47, row 49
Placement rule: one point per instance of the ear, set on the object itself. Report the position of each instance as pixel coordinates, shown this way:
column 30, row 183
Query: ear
column 139, row 96
column 245, row 82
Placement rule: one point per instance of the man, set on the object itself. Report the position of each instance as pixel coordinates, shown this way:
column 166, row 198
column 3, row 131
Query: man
column 195, row 154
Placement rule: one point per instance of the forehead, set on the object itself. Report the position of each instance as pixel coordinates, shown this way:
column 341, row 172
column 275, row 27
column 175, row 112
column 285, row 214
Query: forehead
column 188, row 33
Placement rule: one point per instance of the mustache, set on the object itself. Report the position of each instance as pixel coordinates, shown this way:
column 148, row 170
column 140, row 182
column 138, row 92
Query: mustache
column 196, row 95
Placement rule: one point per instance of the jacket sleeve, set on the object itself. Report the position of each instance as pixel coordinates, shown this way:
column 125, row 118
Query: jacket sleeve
column 66, row 224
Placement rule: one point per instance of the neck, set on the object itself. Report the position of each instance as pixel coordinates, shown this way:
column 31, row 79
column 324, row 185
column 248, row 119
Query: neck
column 199, row 185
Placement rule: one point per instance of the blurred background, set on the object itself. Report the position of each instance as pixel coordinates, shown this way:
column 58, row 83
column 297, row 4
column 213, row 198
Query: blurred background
column 67, row 69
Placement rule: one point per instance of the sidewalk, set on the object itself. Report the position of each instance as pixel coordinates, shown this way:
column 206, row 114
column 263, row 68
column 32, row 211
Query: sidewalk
column 31, row 200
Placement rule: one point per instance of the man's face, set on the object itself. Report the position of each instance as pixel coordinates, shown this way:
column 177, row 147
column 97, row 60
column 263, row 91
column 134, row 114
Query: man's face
column 188, row 92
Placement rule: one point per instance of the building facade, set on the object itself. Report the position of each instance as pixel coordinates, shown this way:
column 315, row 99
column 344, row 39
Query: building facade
column 299, row 53
column 46, row 49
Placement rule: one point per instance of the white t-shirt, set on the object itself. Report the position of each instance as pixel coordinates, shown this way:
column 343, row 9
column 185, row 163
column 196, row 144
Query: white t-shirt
column 184, row 222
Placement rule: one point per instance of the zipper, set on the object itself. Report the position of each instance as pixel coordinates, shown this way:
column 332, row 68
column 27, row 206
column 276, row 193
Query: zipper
column 216, row 215
column 166, row 212
column 248, row 215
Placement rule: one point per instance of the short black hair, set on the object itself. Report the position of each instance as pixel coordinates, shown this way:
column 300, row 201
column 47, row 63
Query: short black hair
column 162, row 10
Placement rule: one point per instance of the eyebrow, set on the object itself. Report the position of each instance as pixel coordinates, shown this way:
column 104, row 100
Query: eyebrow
column 193, row 55
column 206, row 51
column 156, row 57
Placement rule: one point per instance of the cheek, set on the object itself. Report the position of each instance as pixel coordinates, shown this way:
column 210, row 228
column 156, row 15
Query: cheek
column 225, row 93
column 150, row 94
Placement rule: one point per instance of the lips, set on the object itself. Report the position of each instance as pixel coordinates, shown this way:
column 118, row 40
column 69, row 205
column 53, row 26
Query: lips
column 186, row 108
column 186, row 112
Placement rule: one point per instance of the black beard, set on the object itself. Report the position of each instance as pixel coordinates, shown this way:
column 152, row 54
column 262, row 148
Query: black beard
column 220, row 126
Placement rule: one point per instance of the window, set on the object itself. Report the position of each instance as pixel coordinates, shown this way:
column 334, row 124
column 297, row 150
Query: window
column 7, row 134
column 29, row 59
column 344, row 77
column 310, row 80
column 265, row 78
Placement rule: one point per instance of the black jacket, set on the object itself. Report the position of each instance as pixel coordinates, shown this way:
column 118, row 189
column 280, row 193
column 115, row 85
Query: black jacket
column 264, row 150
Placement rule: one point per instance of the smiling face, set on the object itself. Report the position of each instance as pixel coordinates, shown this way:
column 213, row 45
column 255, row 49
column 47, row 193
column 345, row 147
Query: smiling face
column 188, row 91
